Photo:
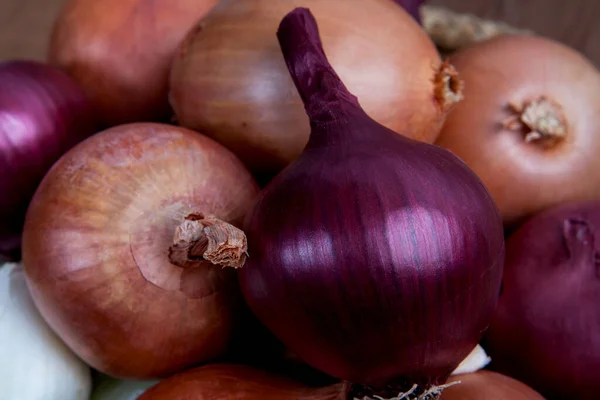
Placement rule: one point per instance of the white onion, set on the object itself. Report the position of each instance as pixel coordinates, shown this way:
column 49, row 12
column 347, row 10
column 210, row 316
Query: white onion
column 34, row 363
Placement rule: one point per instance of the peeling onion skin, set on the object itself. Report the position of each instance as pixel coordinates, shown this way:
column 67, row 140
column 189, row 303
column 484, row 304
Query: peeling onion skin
column 230, row 81
column 545, row 331
column 236, row 382
column 488, row 385
column 525, row 178
column 375, row 258
column 120, row 51
column 95, row 249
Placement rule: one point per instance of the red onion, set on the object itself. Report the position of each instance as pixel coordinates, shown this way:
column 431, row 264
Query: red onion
column 374, row 257
column 119, row 258
column 43, row 113
column 546, row 328
column 412, row 7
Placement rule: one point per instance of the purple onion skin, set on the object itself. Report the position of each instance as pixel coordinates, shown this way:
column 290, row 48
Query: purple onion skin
column 43, row 113
column 546, row 330
column 375, row 258
column 412, row 7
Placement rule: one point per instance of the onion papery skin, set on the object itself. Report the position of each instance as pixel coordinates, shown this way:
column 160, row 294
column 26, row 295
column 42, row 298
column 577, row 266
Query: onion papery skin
column 545, row 329
column 43, row 113
column 237, row 382
column 230, row 82
column 375, row 258
column 488, row 385
column 525, row 178
column 96, row 241
column 120, row 51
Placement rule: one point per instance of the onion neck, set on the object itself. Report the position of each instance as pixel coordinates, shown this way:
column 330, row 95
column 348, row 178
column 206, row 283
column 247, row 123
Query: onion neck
column 199, row 239
column 448, row 87
column 325, row 97
column 543, row 120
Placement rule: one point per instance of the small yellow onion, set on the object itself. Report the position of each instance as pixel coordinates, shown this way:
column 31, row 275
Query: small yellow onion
column 230, row 81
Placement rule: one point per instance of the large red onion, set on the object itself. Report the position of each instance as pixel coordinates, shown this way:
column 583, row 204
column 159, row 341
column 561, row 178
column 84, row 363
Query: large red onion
column 119, row 245
column 546, row 330
column 43, row 113
column 376, row 258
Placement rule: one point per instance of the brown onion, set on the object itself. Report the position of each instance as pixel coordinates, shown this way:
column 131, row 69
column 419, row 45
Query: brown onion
column 237, row 382
column 230, row 81
column 516, row 86
column 120, row 51
column 96, row 248
column 487, row 385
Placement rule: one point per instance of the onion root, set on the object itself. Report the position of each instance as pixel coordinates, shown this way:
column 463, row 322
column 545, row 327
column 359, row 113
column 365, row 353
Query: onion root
column 414, row 393
column 199, row 239
column 448, row 87
column 543, row 118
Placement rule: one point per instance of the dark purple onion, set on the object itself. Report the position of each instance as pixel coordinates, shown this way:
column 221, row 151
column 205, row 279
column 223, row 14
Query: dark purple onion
column 43, row 113
column 412, row 7
column 375, row 258
column 546, row 330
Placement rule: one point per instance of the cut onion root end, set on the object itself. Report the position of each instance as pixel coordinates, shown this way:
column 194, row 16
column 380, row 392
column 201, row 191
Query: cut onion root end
column 199, row 239
column 448, row 87
column 542, row 118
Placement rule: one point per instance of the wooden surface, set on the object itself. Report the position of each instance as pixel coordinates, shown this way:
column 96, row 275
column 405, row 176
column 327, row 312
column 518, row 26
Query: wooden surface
column 25, row 27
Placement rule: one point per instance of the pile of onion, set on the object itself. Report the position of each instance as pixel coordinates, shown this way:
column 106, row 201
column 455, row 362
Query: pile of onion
column 230, row 82
column 374, row 257
column 128, row 252
column 43, row 113
column 528, row 124
column 546, row 329
column 120, row 51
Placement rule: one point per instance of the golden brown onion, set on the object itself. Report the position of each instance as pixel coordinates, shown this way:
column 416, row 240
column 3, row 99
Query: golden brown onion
column 230, row 81
column 487, row 385
column 237, row 382
column 516, row 86
column 96, row 249
column 120, row 51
